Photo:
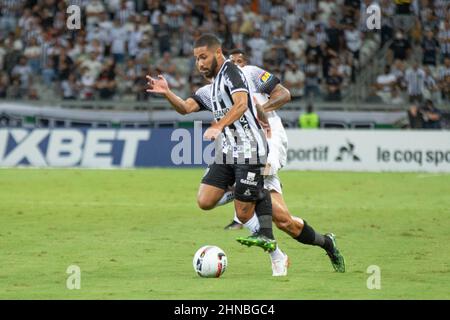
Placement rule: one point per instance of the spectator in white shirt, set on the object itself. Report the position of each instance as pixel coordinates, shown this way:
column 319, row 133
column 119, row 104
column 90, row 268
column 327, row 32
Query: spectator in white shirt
column 86, row 84
column 96, row 46
column 294, row 80
column 69, row 88
column 134, row 38
column 94, row 10
column 431, row 88
column 326, row 9
column 92, row 65
column 278, row 10
column 23, row 71
column 345, row 68
column 291, row 21
column 398, row 69
column 258, row 47
column 128, row 76
column 319, row 33
column 415, row 82
column 353, row 40
column 296, row 45
column 33, row 53
column 385, row 84
column 232, row 10
column 118, row 36
column 266, row 27
column 98, row 33
column 105, row 23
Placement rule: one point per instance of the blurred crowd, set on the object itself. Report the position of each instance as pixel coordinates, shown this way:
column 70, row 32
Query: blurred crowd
column 417, row 67
column 311, row 45
column 314, row 46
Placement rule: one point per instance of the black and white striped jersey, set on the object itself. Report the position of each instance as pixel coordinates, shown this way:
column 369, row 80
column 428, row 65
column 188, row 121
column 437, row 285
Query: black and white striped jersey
column 244, row 140
column 259, row 81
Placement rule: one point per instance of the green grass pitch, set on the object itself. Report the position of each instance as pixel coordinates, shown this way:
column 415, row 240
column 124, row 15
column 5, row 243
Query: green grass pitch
column 133, row 233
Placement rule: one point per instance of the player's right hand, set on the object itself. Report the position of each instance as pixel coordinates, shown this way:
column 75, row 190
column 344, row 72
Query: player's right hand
column 262, row 119
column 158, row 85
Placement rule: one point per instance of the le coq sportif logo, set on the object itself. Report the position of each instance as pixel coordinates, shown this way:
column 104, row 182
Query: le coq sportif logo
column 347, row 152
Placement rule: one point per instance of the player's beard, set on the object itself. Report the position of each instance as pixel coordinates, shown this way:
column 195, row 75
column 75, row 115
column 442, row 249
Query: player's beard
column 209, row 73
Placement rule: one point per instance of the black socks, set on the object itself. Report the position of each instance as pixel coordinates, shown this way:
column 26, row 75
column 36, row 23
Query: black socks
column 263, row 211
column 309, row 236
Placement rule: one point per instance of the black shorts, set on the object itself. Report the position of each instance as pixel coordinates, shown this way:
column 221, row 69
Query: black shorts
column 248, row 178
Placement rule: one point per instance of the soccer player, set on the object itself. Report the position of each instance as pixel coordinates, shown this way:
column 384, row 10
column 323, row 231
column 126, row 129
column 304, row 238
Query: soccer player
column 242, row 140
column 267, row 86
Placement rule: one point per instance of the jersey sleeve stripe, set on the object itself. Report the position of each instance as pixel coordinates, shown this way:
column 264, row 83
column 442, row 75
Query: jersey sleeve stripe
column 239, row 89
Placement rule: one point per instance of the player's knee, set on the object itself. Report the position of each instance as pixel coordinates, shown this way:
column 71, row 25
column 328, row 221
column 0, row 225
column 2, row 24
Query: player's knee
column 205, row 203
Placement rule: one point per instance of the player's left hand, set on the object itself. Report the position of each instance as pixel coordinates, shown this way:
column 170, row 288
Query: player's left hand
column 157, row 85
column 266, row 127
column 212, row 132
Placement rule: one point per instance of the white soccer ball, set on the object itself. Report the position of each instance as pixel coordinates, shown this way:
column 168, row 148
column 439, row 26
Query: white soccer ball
column 210, row 262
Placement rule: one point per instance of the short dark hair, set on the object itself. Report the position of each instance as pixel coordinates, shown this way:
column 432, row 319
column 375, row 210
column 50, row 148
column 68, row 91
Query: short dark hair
column 209, row 40
column 238, row 51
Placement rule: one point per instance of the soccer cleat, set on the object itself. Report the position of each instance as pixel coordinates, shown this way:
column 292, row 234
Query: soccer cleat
column 234, row 226
column 258, row 240
column 280, row 266
column 337, row 259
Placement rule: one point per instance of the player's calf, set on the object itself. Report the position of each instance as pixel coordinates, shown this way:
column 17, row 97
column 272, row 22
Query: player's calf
column 282, row 217
column 244, row 210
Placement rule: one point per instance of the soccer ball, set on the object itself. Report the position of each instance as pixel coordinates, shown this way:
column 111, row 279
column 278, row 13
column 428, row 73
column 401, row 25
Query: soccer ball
column 210, row 262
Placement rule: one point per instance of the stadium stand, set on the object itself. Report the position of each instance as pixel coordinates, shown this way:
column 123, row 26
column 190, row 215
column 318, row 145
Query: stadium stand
column 321, row 49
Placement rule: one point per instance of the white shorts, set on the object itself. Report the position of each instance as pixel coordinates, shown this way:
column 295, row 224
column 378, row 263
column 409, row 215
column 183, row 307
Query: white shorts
column 277, row 154
column 273, row 183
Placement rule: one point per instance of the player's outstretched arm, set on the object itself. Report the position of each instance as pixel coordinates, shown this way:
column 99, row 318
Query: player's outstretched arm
column 160, row 86
column 236, row 111
column 279, row 96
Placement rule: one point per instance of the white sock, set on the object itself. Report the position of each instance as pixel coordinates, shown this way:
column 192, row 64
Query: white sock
column 236, row 219
column 252, row 224
column 226, row 198
column 277, row 254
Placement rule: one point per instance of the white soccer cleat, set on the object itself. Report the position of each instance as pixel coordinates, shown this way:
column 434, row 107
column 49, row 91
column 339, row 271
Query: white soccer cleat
column 280, row 266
